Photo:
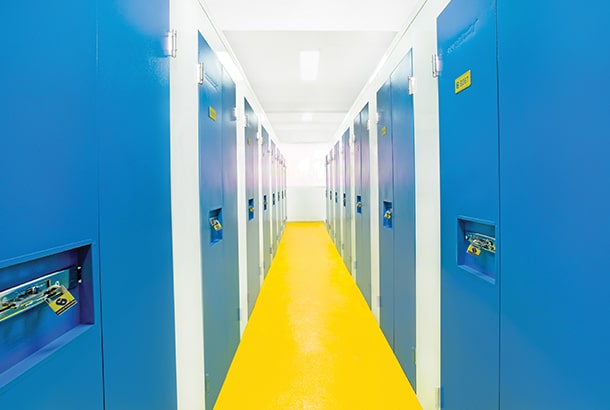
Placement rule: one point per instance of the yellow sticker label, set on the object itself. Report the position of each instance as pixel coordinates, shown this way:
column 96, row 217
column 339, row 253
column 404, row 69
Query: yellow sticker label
column 212, row 114
column 61, row 302
column 384, row 131
column 462, row 82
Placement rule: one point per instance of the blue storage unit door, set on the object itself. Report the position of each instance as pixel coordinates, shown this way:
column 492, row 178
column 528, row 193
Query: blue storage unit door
column 470, row 278
column 554, row 204
column 220, row 295
column 386, row 210
column 362, row 262
column 347, row 202
column 274, row 207
column 337, row 193
column 404, row 216
column 252, row 212
column 265, row 163
column 49, row 208
column 331, row 177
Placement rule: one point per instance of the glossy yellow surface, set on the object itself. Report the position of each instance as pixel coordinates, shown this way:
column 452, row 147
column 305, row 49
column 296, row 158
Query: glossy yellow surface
column 312, row 342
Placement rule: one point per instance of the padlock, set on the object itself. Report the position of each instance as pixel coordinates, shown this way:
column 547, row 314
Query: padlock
column 388, row 214
column 215, row 224
column 473, row 250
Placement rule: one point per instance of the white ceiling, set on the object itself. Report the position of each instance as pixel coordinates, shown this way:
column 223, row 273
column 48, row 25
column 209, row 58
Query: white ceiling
column 268, row 35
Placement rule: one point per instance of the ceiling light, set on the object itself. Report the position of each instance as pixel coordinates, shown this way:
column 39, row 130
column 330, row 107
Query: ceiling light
column 307, row 117
column 310, row 60
column 230, row 66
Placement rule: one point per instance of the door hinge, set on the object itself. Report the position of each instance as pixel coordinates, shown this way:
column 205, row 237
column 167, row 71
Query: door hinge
column 200, row 73
column 436, row 65
column 379, row 301
column 414, row 356
column 439, row 397
column 171, row 43
column 205, row 382
column 411, row 85
column 238, row 314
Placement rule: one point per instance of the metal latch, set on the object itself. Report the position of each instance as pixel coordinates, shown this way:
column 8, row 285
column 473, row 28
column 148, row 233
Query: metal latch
column 479, row 242
column 26, row 296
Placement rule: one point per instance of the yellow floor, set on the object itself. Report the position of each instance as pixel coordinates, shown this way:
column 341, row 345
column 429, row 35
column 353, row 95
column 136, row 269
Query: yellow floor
column 312, row 342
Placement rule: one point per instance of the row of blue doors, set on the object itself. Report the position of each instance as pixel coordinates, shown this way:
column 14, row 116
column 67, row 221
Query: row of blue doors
column 524, row 148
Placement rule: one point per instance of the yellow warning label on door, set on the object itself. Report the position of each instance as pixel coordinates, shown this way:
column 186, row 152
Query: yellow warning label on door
column 462, row 82
column 212, row 114
column 384, row 131
column 61, row 302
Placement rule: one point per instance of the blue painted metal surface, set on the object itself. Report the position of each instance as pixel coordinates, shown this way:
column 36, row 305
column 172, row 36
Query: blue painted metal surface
column 49, row 187
column 252, row 208
column 267, row 248
column 554, row 202
column 337, row 193
column 135, row 206
column 404, row 217
column 469, row 194
column 274, row 206
column 363, row 206
column 230, row 262
column 216, row 179
column 386, row 205
column 327, row 192
column 347, row 202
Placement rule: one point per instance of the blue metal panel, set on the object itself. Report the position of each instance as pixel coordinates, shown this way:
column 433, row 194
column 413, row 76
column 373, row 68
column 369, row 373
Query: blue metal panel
column 252, row 209
column 363, row 207
column 327, row 192
column 554, row 203
column 230, row 219
column 49, row 187
column 337, row 193
column 347, row 203
column 267, row 248
column 274, row 206
column 404, row 217
column 469, row 200
column 217, row 179
column 386, row 205
column 135, row 206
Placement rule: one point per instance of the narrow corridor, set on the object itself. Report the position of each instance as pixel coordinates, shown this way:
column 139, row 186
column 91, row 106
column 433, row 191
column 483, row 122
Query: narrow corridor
column 312, row 342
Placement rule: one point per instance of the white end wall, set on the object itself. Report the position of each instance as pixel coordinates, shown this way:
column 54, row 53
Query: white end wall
column 306, row 181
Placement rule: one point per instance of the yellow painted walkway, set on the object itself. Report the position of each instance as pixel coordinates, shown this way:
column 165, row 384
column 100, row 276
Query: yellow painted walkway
column 312, row 342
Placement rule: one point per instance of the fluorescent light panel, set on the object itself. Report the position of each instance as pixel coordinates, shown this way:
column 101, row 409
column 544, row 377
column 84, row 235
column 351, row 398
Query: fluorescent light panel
column 310, row 61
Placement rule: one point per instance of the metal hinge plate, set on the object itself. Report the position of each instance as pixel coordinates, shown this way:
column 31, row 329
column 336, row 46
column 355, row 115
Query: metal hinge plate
column 172, row 43
column 411, row 85
column 436, row 65
column 439, row 397
column 200, row 73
